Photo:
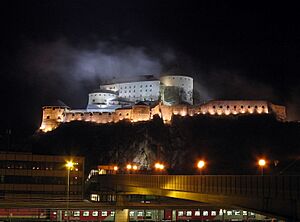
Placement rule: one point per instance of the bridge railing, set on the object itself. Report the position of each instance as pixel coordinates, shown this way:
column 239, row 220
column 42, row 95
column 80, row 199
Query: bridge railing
column 283, row 187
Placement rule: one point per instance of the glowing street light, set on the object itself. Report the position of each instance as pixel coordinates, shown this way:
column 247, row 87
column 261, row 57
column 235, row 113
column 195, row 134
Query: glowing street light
column 134, row 167
column 69, row 165
column 159, row 166
column 262, row 163
column 116, row 168
column 201, row 165
column 128, row 167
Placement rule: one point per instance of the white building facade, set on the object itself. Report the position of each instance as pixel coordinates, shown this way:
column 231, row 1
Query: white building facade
column 169, row 89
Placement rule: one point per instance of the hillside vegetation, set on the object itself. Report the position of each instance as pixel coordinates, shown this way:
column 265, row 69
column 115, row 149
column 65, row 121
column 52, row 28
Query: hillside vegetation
column 229, row 145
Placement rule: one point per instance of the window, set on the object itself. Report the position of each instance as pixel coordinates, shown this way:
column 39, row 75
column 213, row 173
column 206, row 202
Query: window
column 255, row 107
column 237, row 213
column 221, row 107
column 148, row 214
column 242, row 107
column 197, row 213
column 48, row 117
column 214, row 107
column 234, row 107
column 244, row 213
column 140, row 213
column 131, row 214
column 227, row 107
column 213, row 213
column 229, row 212
column 112, row 213
column 86, row 213
column 76, row 213
column 248, row 107
column 180, row 213
column 205, row 213
column 263, row 107
column 104, row 213
column 189, row 213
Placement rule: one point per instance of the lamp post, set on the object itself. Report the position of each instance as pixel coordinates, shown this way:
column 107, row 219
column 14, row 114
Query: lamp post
column 262, row 163
column 201, row 165
column 69, row 165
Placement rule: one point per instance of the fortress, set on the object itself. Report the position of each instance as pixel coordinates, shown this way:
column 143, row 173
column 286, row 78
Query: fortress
column 144, row 97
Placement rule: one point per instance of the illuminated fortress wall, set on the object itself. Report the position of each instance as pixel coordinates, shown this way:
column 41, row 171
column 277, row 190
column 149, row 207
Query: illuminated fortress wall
column 53, row 116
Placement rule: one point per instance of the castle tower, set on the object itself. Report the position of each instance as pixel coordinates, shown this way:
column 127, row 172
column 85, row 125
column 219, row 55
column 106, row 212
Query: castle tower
column 53, row 116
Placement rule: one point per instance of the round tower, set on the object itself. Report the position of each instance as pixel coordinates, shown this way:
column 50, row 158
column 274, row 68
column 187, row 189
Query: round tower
column 176, row 89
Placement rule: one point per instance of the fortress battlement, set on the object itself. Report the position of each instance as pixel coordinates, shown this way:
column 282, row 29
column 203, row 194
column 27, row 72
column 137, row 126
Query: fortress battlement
column 54, row 116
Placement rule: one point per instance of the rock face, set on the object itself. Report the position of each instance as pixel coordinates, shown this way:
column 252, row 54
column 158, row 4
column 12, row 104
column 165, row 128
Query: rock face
column 229, row 145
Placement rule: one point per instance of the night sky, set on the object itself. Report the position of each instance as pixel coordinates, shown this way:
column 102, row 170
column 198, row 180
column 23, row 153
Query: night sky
column 60, row 50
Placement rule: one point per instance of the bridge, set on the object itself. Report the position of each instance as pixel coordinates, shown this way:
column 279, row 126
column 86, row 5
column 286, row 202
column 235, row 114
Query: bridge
column 273, row 195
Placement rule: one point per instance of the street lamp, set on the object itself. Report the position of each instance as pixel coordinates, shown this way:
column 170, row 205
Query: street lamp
column 69, row 165
column 159, row 166
column 201, row 165
column 262, row 163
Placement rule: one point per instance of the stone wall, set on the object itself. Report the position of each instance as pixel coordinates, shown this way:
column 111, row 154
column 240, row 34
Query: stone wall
column 54, row 116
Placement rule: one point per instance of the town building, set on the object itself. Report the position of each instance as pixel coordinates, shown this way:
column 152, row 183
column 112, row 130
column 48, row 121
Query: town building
column 27, row 175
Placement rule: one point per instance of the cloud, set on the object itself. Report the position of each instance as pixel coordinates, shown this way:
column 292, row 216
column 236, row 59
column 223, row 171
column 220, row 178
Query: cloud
column 68, row 72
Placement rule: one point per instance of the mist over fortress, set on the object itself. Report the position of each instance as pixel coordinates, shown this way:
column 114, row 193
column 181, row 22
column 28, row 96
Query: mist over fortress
column 144, row 97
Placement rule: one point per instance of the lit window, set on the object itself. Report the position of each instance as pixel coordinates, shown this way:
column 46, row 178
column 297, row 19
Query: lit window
column 67, row 213
column 95, row 213
column 213, row 213
column 237, row 213
column 229, row 212
column 148, row 214
column 104, row 213
column 244, row 213
column 112, row 213
column 197, row 213
column 205, row 213
column 189, row 213
column 86, row 213
column 76, row 213
column 140, row 213
column 180, row 213
column 131, row 214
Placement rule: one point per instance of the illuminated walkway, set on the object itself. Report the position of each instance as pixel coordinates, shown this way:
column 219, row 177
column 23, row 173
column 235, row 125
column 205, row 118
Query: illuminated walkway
column 274, row 195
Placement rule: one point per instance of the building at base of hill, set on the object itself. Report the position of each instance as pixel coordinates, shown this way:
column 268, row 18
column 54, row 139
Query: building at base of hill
column 30, row 176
